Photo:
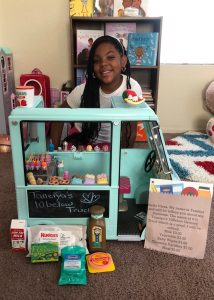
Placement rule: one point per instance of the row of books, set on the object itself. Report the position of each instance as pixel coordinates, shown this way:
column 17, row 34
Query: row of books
column 116, row 8
column 141, row 46
column 147, row 94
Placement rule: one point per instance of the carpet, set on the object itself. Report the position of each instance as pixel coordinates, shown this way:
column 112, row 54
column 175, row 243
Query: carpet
column 140, row 274
column 192, row 156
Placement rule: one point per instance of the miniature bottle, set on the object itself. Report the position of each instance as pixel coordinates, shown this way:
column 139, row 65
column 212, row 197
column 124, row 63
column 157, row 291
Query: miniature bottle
column 66, row 175
column 97, row 229
column 51, row 146
column 60, row 168
column 65, row 146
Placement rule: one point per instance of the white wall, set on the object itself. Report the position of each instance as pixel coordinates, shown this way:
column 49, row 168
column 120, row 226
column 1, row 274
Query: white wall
column 38, row 34
column 180, row 104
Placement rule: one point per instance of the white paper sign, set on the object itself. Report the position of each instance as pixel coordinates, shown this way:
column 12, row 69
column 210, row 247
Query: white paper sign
column 178, row 217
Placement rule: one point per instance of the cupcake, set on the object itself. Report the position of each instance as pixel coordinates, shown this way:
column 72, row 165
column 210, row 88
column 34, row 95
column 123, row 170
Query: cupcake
column 89, row 179
column 102, row 179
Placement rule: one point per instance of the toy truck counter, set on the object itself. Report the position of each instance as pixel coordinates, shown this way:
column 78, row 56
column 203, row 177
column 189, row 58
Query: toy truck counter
column 114, row 177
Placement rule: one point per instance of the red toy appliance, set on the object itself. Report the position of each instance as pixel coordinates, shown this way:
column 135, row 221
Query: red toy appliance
column 41, row 84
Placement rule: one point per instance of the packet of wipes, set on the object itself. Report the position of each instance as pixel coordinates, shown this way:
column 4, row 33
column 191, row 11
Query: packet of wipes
column 73, row 266
column 64, row 235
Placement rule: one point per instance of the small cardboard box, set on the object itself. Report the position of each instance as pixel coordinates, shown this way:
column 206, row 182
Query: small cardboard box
column 18, row 232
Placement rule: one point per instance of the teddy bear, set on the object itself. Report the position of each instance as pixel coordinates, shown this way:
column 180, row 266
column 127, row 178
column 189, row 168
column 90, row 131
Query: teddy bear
column 208, row 103
column 210, row 129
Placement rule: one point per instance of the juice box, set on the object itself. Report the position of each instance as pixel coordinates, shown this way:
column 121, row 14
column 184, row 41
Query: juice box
column 18, row 233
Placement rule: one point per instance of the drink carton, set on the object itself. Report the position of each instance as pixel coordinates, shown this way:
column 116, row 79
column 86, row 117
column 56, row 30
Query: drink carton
column 18, row 232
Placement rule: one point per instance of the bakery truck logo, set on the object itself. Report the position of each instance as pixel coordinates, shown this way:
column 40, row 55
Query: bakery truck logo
column 89, row 198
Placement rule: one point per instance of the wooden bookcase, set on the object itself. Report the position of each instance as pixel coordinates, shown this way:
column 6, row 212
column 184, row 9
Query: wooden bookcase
column 148, row 77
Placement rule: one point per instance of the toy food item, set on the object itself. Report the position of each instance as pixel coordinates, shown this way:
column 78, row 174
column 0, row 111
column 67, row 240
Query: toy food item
column 40, row 181
column 60, row 168
column 65, row 146
column 18, row 232
column 31, row 178
column 102, row 179
column 97, row 148
column 53, row 180
column 89, row 179
column 132, row 98
column 73, row 148
column 105, row 148
column 89, row 148
column 76, row 180
column 100, row 262
column 64, row 181
column 81, row 148
column 44, row 166
column 44, row 252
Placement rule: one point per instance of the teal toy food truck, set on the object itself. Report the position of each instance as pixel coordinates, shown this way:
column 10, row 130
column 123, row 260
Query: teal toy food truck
column 114, row 177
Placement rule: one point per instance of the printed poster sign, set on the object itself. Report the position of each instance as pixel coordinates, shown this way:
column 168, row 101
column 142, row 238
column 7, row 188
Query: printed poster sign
column 178, row 217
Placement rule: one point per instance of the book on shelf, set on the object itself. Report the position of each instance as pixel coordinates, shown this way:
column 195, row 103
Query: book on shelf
column 82, row 8
column 84, row 41
column 80, row 76
column 120, row 31
column 146, row 89
column 150, row 103
column 147, row 93
column 140, row 133
column 142, row 48
column 103, row 8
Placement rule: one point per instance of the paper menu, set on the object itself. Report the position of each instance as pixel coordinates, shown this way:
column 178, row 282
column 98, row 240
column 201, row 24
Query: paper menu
column 178, row 217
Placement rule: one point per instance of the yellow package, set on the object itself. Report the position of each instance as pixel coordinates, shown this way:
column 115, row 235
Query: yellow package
column 100, row 262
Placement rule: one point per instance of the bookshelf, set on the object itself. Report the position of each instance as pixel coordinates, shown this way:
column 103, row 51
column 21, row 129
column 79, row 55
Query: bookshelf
column 148, row 77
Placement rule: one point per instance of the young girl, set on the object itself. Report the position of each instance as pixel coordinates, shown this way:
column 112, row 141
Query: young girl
column 107, row 75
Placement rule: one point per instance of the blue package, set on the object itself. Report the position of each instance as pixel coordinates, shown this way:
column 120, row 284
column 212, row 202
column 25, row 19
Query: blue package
column 73, row 266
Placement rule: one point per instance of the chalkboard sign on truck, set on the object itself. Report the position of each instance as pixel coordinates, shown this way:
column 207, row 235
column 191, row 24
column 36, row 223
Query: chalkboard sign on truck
column 65, row 203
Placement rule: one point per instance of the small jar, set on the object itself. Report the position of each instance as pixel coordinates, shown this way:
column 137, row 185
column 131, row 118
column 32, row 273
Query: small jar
column 51, row 147
column 97, row 229
column 66, row 175
column 44, row 166
column 60, row 169
column 65, row 146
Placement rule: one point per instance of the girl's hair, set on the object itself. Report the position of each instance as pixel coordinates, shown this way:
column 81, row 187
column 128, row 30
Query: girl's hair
column 90, row 97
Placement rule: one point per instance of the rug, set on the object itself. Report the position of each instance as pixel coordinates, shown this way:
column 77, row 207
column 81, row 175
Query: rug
column 192, row 157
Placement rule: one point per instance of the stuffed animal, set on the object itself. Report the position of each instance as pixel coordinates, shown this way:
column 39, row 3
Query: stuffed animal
column 208, row 103
column 210, row 129
column 209, row 98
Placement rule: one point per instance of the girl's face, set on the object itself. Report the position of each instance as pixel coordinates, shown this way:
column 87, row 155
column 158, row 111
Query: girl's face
column 108, row 63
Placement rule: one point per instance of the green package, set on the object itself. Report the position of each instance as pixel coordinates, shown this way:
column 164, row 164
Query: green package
column 73, row 266
column 44, row 252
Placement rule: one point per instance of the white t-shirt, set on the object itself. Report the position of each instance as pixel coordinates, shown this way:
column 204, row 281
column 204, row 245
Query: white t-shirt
column 74, row 100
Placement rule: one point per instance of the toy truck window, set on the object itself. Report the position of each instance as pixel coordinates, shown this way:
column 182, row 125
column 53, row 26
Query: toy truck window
column 156, row 142
column 77, row 160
